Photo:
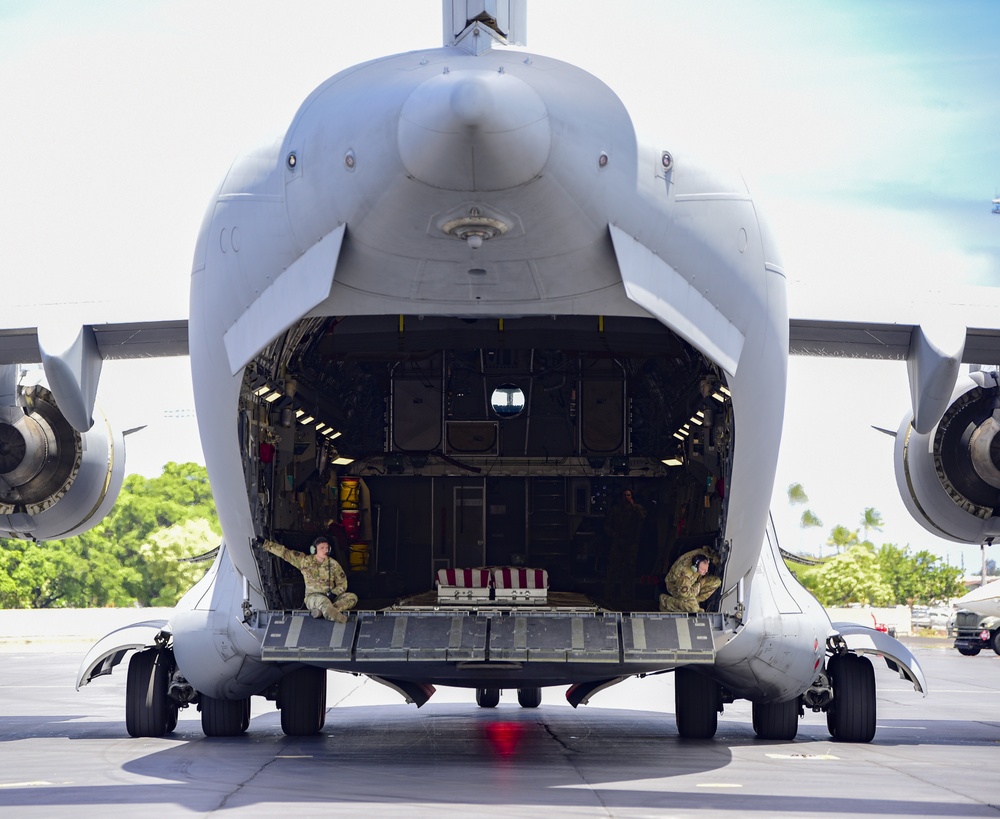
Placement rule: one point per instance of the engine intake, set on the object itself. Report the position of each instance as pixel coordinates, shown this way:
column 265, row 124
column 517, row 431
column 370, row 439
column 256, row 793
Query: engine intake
column 949, row 478
column 55, row 482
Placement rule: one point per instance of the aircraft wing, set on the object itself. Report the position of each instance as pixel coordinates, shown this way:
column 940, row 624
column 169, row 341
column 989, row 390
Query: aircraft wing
column 875, row 340
column 142, row 339
column 811, row 337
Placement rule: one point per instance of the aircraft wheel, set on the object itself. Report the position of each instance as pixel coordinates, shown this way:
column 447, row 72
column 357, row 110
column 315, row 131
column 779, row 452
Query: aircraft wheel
column 529, row 697
column 968, row 652
column 776, row 720
column 172, row 713
column 488, row 697
column 995, row 641
column 302, row 700
column 696, row 704
column 147, row 707
column 224, row 718
column 851, row 715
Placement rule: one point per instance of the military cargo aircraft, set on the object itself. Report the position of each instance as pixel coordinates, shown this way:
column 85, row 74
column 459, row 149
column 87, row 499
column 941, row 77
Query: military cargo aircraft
column 455, row 310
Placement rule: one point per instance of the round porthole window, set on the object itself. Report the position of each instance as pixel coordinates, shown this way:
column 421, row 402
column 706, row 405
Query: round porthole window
column 507, row 401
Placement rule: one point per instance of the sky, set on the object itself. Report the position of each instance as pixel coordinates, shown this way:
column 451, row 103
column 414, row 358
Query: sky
column 866, row 131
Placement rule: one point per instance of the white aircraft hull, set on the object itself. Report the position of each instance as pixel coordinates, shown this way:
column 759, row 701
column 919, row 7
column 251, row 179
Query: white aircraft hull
column 434, row 225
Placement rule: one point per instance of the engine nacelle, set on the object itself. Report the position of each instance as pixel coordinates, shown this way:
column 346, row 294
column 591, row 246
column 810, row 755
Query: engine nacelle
column 949, row 478
column 55, row 482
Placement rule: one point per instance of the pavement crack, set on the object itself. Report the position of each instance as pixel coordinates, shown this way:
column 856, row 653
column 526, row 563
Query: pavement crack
column 224, row 803
column 548, row 730
column 571, row 757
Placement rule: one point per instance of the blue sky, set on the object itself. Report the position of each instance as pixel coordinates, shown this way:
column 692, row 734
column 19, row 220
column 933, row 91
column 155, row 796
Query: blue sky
column 868, row 132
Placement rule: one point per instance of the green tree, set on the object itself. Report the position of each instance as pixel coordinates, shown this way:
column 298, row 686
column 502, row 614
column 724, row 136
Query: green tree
column 167, row 554
column 853, row 577
column 11, row 556
column 119, row 562
column 67, row 573
column 842, row 538
column 871, row 521
column 809, row 520
column 796, row 497
column 918, row 578
column 887, row 576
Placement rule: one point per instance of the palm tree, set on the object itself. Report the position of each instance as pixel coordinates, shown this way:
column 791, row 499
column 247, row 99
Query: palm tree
column 796, row 494
column 809, row 520
column 842, row 538
column 871, row 520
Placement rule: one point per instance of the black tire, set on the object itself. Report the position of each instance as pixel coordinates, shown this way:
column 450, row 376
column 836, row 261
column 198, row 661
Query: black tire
column 302, row 700
column 173, row 711
column 776, row 720
column 696, row 704
column 529, row 697
column 968, row 652
column 995, row 641
column 147, row 707
column 851, row 715
column 224, row 718
column 488, row 697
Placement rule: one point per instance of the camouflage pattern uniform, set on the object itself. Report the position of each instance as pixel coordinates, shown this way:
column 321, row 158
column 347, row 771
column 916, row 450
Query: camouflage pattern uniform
column 320, row 576
column 686, row 588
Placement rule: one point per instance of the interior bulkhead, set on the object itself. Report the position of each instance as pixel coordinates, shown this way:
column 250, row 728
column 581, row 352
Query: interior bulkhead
column 441, row 442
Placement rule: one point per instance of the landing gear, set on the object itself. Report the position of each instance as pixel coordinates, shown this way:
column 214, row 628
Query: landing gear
column 995, row 641
column 697, row 702
column 148, row 710
column 489, row 697
column 224, row 718
column 776, row 720
column 529, row 697
column 850, row 717
column 173, row 710
column 302, row 700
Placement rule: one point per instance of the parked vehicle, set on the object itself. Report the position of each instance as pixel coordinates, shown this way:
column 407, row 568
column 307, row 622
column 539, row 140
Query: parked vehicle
column 974, row 632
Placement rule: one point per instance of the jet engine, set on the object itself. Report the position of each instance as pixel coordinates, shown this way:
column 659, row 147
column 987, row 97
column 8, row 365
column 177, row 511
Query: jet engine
column 55, row 482
column 949, row 477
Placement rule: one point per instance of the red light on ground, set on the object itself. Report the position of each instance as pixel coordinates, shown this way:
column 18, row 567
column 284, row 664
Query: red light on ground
column 504, row 736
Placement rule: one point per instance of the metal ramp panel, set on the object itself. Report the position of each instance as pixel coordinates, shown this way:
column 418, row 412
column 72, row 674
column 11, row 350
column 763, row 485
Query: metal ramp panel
column 440, row 636
column 555, row 637
column 497, row 636
column 300, row 637
column 676, row 638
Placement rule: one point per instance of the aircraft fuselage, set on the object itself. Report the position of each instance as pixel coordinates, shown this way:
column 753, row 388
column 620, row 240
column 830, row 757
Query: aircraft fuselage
column 440, row 223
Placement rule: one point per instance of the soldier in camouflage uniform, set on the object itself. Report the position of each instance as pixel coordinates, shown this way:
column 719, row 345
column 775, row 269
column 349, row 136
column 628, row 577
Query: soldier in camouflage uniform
column 688, row 582
column 326, row 583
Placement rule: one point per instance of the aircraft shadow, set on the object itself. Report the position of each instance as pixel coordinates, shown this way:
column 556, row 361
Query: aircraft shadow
column 458, row 754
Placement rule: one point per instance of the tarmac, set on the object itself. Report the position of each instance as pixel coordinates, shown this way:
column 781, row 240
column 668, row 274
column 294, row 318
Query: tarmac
column 70, row 625
column 64, row 752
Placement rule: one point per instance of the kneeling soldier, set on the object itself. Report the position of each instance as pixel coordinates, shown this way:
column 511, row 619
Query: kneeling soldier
column 688, row 583
column 326, row 583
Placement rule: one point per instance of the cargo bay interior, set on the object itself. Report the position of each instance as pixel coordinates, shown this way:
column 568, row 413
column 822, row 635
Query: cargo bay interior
column 422, row 443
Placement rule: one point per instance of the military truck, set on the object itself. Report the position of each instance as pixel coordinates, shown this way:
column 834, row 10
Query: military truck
column 974, row 632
